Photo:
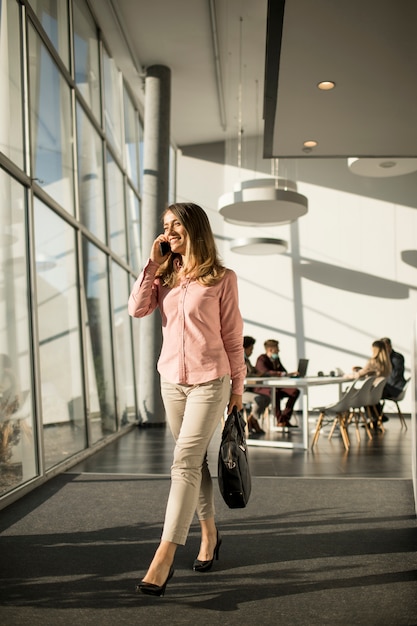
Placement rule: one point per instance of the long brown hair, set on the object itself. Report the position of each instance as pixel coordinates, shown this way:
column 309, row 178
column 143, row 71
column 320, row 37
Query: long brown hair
column 202, row 258
column 382, row 358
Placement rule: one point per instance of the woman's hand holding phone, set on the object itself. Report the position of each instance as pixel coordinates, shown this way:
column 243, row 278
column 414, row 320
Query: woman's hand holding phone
column 164, row 248
column 159, row 251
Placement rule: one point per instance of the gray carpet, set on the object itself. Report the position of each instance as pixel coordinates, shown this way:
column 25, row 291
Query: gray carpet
column 304, row 552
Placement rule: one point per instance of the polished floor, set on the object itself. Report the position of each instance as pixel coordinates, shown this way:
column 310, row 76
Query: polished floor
column 148, row 451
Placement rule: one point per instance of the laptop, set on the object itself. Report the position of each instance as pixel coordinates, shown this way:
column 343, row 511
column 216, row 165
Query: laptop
column 301, row 369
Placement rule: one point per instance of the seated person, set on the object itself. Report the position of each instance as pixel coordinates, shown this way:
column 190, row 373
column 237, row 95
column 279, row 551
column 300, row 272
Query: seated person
column 378, row 365
column 395, row 381
column 258, row 401
column 269, row 364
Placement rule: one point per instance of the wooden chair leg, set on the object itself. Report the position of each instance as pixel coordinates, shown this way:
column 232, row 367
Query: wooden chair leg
column 335, row 421
column 378, row 416
column 365, row 423
column 318, row 429
column 370, row 420
column 344, row 432
column 401, row 416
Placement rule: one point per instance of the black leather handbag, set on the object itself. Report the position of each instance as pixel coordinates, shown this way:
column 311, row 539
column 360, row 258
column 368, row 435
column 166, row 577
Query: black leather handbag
column 233, row 466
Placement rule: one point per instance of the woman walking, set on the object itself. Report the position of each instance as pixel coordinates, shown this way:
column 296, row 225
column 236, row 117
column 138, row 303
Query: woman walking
column 202, row 371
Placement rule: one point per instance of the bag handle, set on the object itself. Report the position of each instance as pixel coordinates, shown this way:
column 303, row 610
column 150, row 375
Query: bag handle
column 237, row 419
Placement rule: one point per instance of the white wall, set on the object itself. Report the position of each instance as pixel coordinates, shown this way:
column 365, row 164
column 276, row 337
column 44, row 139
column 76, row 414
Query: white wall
column 342, row 283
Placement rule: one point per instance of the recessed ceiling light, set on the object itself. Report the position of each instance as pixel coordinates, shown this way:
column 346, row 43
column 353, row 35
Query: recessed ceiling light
column 326, row 85
column 311, row 143
column 387, row 164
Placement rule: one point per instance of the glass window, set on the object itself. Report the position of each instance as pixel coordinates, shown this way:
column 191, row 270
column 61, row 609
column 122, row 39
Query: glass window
column 132, row 139
column 116, row 208
column 123, row 346
column 17, row 428
column 11, row 124
column 87, row 69
column 90, row 176
column 59, row 337
column 141, row 157
column 98, row 343
column 133, row 229
column 112, row 103
column 51, row 127
column 53, row 15
column 172, row 175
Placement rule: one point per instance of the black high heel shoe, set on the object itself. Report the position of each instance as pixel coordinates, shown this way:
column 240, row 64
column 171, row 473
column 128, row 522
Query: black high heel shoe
column 154, row 590
column 205, row 566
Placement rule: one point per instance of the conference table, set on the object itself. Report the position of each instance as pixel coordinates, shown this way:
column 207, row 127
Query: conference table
column 303, row 384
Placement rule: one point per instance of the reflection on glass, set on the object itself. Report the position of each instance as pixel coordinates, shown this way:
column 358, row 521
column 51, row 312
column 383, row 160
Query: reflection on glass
column 90, row 176
column 133, row 137
column 11, row 120
column 53, row 15
column 112, row 103
column 123, row 346
column 50, row 103
column 87, row 71
column 98, row 343
column 133, row 229
column 59, row 337
column 17, row 429
column 116, row 208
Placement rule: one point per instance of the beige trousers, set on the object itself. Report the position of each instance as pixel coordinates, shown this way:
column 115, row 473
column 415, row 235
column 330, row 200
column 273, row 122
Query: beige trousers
column 193, row 414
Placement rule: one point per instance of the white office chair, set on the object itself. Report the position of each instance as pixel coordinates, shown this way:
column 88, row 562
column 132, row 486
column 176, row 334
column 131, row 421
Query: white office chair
column 340, row 412
column 358, row 404
column 374, row 397
column 396, row 401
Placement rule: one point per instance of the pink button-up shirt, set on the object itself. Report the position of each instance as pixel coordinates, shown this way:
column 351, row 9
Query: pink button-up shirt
column 202, row 327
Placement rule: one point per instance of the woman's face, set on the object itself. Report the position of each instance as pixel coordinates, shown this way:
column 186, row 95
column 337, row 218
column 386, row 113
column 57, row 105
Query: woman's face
column 175, row 232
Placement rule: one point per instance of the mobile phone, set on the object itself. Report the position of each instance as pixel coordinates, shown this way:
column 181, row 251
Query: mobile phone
column 164, row 248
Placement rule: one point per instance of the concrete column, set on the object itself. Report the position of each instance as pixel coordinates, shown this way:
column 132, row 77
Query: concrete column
column 154, row 202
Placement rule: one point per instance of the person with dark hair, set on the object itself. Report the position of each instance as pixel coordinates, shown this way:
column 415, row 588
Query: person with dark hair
column 256, row 403
column 269, row 364
column 378, row 365
column 396, row 380
column 202, row 371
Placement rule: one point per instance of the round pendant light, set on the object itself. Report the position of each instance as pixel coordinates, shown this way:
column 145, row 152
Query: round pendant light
column 381, row 167
column 258, row 246
column 263, row 202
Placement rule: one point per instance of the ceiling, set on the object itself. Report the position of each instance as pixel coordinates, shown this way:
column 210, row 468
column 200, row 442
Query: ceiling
column 216, row 50
column 369, row 49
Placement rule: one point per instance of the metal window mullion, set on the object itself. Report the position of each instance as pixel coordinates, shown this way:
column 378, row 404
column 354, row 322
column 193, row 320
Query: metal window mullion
column 34, row 332
column 112, row 341
column 27, row 164
column 83, row 320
